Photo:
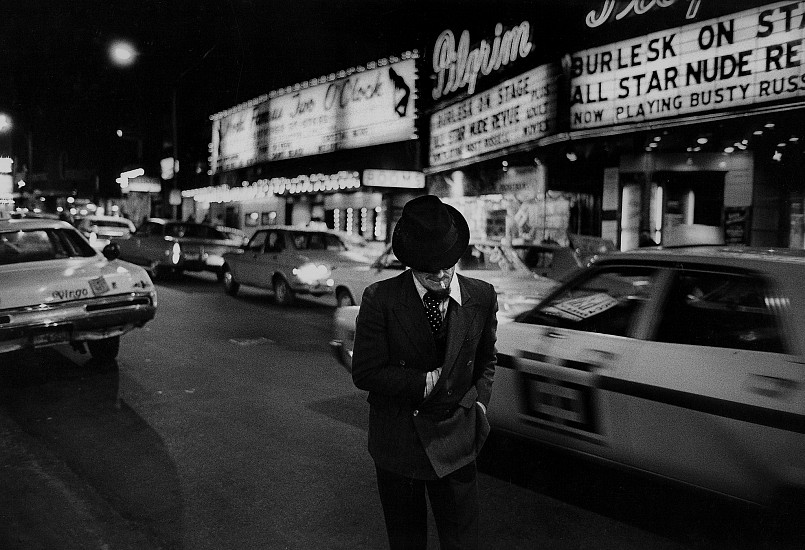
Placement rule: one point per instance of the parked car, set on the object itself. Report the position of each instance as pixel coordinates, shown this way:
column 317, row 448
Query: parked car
column 163, row 246
column 100, row 230
column 290, row 261
column 57, row 289
column 683, row 363
column 518, row 288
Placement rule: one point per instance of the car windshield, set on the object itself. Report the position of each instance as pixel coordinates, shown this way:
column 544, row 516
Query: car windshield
column 36, row 245
column 604, row 302
column 483, row 257
column 110, row 224
column 534, row 257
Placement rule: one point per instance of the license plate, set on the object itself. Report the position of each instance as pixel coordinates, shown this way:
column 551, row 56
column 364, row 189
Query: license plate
column 56, row 335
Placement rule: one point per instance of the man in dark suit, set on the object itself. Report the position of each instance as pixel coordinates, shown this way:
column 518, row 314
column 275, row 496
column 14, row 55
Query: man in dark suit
column 425, row 351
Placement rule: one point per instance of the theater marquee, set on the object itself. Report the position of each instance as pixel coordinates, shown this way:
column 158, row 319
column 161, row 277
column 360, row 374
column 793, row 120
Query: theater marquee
column 747, row 58
column 518, row 110
column 371, row 106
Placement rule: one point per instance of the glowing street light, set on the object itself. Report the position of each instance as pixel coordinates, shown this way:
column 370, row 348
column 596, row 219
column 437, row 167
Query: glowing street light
column 5, row 123
column 122, row 53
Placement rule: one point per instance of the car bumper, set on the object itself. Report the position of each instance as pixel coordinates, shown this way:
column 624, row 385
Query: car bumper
column 95, row 319
column 200, row 262
column 317, row 289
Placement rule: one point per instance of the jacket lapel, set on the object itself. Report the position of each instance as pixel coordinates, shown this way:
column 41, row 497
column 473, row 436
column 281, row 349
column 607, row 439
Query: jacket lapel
column 410, row 312
column 460, row 319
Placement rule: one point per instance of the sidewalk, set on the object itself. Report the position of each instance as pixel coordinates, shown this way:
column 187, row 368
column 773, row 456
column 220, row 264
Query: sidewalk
column 44, row 505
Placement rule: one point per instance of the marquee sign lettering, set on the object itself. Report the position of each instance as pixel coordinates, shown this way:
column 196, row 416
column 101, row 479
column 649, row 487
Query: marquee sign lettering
column 518, row 110
column 634, row 7
column 456, row 67
column 369, row 107
column 748, row 58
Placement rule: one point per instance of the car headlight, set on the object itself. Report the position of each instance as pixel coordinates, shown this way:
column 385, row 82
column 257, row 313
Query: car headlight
column 311, row 273
column 176, row 253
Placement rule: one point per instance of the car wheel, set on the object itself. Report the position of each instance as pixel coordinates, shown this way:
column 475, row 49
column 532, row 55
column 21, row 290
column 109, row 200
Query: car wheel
column 219, row 274
column 230, row 285
column 283, row 294
column 343, row 298
column 104, row 351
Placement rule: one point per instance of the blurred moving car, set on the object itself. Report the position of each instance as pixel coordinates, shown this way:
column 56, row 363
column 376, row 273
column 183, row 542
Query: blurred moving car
column 57, row 289
column 683, row 363
column 163, row 246
column 493, row 261
column 100, row 230
column 290, row 261
column 518, row 288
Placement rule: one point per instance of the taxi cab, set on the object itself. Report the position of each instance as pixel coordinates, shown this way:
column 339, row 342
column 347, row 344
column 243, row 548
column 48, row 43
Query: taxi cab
column 57, row 289
column 686, row 363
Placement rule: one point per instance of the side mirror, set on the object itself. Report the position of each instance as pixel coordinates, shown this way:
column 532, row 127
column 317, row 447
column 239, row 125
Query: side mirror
column 111, row 251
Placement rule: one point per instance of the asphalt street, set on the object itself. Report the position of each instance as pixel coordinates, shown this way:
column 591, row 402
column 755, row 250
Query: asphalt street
column 228, row 424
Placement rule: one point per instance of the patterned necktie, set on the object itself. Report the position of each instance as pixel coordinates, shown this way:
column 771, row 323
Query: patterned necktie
column 433, row 312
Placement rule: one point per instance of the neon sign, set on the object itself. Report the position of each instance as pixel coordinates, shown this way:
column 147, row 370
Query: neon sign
column 458, row 66
column 634, row 7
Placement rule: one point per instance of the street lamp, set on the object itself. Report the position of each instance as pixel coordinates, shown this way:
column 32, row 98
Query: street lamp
column 122, row 53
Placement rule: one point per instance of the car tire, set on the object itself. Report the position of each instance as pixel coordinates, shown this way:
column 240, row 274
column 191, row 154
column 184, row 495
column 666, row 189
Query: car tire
column 343, row 298
column 283, row 294
column 219, row 275
column 104, row 351
column 230, row 284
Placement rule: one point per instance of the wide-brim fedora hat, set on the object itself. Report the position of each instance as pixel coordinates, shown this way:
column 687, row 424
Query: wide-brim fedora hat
column 430, row 235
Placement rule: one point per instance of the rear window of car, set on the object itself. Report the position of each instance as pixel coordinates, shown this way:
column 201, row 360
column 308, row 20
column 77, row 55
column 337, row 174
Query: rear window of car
column 194, row 231
column 316, row 241
column 35, row 245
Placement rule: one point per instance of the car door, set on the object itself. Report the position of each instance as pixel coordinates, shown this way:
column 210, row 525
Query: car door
column 138, row 249
column 247, row 265
column 716, row 393
column 555, row 362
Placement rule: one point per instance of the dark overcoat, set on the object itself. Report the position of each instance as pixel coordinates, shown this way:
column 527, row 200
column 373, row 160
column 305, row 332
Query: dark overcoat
column 394, row 349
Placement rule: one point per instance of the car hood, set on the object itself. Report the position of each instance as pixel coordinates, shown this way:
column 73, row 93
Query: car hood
column 56, row 281
column 348, row 258
column 517, row 291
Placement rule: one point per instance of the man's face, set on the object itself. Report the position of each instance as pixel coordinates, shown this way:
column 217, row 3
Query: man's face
column 437, row 282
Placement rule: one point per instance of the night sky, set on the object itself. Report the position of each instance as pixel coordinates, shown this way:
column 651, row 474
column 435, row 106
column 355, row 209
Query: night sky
column 58, row 84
